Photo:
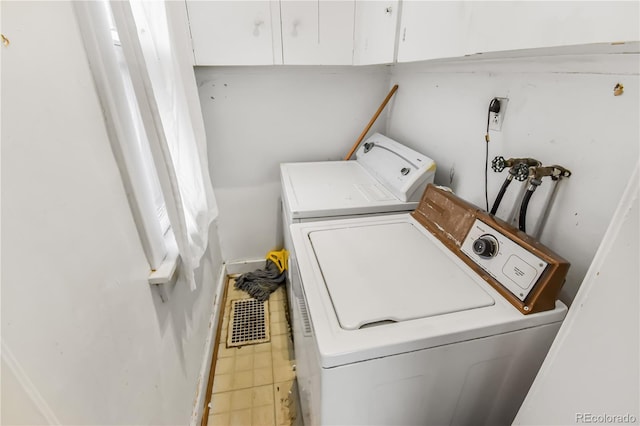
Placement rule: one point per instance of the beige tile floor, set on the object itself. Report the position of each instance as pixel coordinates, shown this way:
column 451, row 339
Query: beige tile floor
column 255, row 384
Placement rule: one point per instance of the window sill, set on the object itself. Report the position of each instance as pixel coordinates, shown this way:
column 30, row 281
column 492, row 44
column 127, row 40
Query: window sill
column 167, row 271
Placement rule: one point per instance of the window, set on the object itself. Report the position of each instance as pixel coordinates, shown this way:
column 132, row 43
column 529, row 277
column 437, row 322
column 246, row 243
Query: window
column 128, row 138
column 147, row 87
column 151, row 184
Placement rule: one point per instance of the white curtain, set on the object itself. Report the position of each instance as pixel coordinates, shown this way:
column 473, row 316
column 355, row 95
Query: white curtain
column 160, row 75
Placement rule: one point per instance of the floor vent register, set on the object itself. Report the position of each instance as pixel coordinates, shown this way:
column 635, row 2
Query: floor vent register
column 249, row 323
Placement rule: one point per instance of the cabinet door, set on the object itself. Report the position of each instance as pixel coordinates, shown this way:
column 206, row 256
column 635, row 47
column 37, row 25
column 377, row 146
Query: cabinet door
column 317, row 32
column 234, row 32
column 300, row 41
column 336, row 32
column 497, row 26
column 374, row 38
column 430, row 30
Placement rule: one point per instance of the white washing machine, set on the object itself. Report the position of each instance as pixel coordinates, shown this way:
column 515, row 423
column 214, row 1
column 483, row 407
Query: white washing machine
column 385, row 177
column 398, row 322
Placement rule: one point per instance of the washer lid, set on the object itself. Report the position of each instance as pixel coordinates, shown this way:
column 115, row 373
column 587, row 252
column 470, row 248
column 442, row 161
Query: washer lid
column 391, row 272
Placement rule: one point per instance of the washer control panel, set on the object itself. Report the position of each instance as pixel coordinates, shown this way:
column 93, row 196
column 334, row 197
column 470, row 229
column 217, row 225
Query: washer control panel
column 509, row 263
column 526, row 273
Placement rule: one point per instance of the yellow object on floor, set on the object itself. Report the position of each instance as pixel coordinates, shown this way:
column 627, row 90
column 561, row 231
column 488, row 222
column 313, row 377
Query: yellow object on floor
column 280, row 258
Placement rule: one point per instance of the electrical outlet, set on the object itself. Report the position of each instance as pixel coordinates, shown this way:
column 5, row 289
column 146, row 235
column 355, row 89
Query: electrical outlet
column 496, row 118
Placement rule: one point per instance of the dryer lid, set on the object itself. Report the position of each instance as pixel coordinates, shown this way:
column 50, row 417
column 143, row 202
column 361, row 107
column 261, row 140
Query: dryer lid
column 391, row 272
column 335, row 188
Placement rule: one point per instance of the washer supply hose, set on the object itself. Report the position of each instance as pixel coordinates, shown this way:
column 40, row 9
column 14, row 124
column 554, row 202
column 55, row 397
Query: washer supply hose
column 554, row 172
column 503, row 189
column 519, row 169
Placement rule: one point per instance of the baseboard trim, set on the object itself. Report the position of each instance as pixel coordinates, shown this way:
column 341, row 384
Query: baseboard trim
column 244, row 266
column 27, row 385
column 201, row 407
column 205, row 382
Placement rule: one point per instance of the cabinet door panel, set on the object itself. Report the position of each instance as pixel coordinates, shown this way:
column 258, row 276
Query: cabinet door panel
column 336, row 32
column 317, row 32
column 430, row 30
column 300, row 41
column 231, row 32
column 376, row 23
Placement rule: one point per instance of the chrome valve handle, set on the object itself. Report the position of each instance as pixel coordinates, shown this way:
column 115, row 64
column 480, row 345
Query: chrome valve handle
column 520, row 172
column 498, row 164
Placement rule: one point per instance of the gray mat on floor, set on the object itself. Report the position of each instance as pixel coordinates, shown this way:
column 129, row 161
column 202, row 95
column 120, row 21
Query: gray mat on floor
column 261, row 282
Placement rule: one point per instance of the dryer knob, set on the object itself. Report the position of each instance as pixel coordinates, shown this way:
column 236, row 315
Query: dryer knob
column 405, row 171
column 368, row 147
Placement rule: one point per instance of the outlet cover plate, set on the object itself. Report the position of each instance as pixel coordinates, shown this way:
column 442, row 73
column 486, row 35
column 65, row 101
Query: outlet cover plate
column 496, row 119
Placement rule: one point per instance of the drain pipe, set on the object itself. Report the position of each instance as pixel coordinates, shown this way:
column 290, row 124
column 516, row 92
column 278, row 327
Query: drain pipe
column 544, row 215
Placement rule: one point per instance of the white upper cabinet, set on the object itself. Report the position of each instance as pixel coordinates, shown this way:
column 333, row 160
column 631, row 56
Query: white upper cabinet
column 376, row 23
column 430, row 30
column 317, row 32
column 363, row 32
column 235, row 32
column 497, row 26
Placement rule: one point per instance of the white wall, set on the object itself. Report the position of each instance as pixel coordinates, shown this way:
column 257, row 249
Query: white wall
column 561, row 110
column 259, row 117
column 592, row 366
column 84, row 337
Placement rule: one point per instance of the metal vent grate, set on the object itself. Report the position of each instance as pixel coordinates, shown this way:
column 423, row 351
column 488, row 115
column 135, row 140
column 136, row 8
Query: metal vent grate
column 304, row 313
column 248, row 323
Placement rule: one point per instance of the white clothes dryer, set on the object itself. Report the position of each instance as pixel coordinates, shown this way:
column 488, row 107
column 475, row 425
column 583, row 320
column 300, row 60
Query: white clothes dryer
column 392, row 326
column 386, row 176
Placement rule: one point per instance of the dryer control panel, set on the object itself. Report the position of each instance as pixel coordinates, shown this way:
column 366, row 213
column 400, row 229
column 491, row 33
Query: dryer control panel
column 402, row 171
column 524, row 271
